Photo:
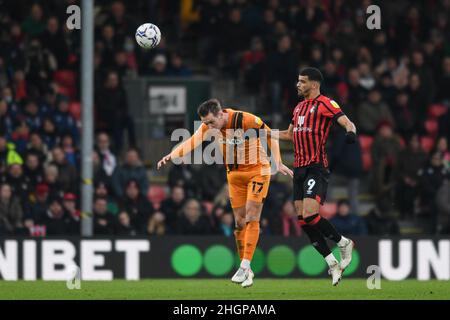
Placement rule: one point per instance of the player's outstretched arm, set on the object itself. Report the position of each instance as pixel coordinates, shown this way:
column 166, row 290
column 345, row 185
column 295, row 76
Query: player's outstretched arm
column 185, row 147
column 163, row 161
column 350, row 127
column 286, row 134
column 275, row 147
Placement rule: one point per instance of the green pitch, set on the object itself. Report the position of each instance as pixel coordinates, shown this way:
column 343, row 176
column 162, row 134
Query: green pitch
column 283, row 289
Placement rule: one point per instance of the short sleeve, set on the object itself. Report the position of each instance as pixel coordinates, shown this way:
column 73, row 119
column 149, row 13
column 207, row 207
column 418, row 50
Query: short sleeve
column 253, row 122
column 332, row 109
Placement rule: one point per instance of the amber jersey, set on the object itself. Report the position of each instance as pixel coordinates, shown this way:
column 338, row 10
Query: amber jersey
column 243, row 142
column 312, row 120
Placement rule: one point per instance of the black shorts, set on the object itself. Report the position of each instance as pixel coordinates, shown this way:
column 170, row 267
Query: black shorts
column 311, row 182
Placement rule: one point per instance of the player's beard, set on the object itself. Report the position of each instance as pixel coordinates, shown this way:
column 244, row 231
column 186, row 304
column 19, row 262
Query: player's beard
column 303, row 94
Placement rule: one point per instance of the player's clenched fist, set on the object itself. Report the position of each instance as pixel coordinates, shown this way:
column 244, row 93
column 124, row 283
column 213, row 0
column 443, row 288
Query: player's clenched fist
column 163, row 161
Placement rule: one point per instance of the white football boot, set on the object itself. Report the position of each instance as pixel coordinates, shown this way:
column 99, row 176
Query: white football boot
column 239, row 276
column 248, row 282
column 346, row 254
column 336, row 273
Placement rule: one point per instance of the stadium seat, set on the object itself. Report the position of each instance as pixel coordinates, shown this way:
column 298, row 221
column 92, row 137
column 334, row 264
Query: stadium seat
column 328, row 209
column 65, row 78
column 427, row 143
column 437, row 110
column 156, row 194
column 432, row 127
column 365, row 142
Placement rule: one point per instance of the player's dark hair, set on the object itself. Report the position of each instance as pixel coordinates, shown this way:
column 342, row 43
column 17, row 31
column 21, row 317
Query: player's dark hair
column 313, row 74
column 211, row 105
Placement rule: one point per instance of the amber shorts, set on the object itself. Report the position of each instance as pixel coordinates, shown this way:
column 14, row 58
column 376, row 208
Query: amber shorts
column 247, row 185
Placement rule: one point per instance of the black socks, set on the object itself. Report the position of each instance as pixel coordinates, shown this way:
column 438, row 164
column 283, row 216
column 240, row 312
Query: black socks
column 324, row 226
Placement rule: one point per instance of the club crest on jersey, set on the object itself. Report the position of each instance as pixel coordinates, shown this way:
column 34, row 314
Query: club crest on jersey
column 335, row 104
column 313, row 108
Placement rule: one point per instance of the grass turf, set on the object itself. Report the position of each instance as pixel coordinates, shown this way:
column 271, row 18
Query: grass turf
column 196, row 289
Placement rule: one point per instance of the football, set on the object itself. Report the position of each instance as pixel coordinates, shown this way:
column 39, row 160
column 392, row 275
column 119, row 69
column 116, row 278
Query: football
column 148, row 35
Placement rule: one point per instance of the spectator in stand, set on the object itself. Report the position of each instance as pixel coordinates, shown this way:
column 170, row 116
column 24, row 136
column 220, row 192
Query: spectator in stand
column 192, row 221
column 442, row 146
column 372, row 112
column 64, row 121
column 380, row 222
column 431, row 178
column 253, row 64
column 159, row 66
column 37, row 209
column 137, row 206
column 107, row 157
column 49, row 134
column 347, row 222
column 99, row 173
column 289, row 220
column 177, row 66
column 237, row 35
column 410, row 160
column 67, row 173
column 405, row 116
column 103, row 219
column 55, row 219
column 20, row 184
column 73, row 215
column 70, row 150
column 35, row 23
column 53, row 39
column 346, row 161
column 124, row 225
column 417, row 66
column 32, row 116
column 172, row 206
column 282, row 73
column 227, row 225
column 443, row 94
column 51, row 174
column 38, row 147
column 102, row 190
column 6, row 121
column 417, row 96
column 112, row 110
column 385, row 150
column 212, row 180
column 156, row 224
column 10, row 211
column 132, row 169
column 33, row 169
column 20, row 136
column 185, row 176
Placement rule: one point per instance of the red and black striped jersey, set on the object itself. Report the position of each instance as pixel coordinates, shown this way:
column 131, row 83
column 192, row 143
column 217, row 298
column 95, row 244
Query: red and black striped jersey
column 312, row 120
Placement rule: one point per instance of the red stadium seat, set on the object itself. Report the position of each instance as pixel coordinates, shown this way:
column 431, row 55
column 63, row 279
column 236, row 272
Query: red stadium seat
column 65, row 78
column 365, row 142
column 427, row 143
column 156, row 194
column 328, row 210
column 437, row 110
column 432, row 127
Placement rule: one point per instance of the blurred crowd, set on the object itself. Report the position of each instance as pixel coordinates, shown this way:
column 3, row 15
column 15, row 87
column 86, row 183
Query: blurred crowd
column 393, row 83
